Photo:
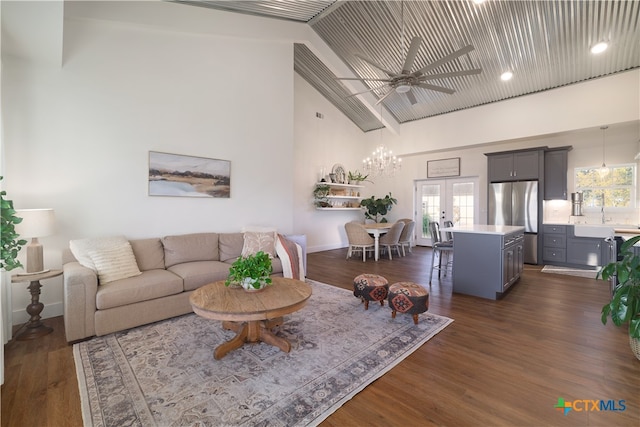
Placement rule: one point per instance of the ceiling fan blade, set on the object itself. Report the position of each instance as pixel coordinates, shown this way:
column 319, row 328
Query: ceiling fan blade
column 368, row 61
column 444, row 60
column 451, row 74
column 385, row 96
column 411, row 97
column 436, row 88
column 363, row 80
column 411, row 55
column 366, row 91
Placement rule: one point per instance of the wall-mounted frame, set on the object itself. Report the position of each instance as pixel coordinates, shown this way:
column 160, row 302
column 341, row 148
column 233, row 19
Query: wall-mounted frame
column 188, row 176
column 443, row 168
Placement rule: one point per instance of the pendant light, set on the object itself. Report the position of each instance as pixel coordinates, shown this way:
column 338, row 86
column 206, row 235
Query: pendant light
column 604, row 170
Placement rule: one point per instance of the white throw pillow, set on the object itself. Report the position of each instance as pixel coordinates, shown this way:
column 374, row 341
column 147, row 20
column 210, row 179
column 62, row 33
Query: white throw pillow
column 80, row 248
column 115, row 263
column 255, row 242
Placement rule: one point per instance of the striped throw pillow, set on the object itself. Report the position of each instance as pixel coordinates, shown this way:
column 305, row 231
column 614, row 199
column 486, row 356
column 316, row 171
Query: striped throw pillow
column 115, row 263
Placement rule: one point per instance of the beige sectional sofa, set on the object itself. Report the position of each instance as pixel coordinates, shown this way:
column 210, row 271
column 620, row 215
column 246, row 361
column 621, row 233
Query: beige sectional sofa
column 170, row 268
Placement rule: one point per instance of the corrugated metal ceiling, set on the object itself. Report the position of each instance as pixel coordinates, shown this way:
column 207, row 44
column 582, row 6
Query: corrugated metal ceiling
column 544, row 43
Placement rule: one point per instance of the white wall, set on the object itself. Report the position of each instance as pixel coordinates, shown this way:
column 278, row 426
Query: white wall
column 322, row 143
column 77, row 138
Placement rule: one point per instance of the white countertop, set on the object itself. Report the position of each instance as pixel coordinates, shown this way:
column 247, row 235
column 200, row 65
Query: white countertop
column 484, row 229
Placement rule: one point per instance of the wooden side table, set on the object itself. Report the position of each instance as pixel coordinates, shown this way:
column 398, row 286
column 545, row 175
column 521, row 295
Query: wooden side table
column 34, row 327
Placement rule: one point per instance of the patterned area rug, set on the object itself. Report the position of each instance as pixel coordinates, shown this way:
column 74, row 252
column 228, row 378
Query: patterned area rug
column 589, row 274
column 164, row 374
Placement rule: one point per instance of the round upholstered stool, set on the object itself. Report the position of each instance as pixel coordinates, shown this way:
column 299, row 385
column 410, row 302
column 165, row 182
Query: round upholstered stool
column 408, row 297
column 370, row 287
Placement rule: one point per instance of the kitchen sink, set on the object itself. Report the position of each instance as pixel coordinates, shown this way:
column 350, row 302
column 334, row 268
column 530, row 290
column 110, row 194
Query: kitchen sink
column 593, row 230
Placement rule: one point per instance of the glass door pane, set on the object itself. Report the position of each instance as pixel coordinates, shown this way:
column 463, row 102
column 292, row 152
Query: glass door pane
column 443, row 200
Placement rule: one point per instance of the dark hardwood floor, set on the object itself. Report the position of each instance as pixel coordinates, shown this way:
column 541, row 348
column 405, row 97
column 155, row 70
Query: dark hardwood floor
column 499, row 363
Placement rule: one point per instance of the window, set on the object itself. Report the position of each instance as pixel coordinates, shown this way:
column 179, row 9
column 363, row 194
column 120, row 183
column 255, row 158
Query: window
column 611, row 187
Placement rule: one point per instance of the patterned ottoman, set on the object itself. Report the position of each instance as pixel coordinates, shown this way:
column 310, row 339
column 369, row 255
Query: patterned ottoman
column 408, row 297
column 370, row 287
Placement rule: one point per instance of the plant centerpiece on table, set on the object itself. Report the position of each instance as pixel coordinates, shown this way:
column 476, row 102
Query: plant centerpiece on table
column 376, row 209
column 357, row 177
column 624, row 306
column 10, row 241
column 251, row 272
column 320, row 194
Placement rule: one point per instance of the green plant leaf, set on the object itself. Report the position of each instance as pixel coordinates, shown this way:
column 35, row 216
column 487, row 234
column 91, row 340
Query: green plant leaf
column 10, row 243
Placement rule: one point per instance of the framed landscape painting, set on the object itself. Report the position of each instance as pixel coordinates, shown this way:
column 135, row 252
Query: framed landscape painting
column 188, row 176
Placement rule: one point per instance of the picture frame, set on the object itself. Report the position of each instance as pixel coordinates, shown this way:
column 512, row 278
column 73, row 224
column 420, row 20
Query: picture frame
column 443, row 168
column 177, row 175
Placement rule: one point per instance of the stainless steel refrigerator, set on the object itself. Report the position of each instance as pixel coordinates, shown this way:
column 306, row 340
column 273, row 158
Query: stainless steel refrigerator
column 516, row 203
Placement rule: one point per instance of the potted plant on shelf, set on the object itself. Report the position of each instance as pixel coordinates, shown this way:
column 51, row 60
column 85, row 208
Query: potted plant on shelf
column 376, row 209
column 624, row 306
column 355, row 178
column 251, row 272
column 11, row 244
column 320, row 194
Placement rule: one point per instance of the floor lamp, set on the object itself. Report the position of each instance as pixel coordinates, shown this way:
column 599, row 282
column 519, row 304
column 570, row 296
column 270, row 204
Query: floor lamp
column 35, row 223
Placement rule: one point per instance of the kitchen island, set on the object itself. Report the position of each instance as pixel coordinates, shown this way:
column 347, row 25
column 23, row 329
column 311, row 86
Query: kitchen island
column 487, row 259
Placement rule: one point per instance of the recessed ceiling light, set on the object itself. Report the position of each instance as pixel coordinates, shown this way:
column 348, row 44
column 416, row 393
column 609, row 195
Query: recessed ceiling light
column 599, row 48
column 478, row 1
column 506, row 75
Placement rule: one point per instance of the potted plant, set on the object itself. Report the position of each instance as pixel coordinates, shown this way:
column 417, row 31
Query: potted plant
column 251, row 272
column 320, row 194
column 376, row 209
column 11, row 244
column 624, row 306
column 356, row 178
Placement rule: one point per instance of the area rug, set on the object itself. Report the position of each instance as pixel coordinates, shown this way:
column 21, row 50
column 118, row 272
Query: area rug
column 164, row 374
column 589, row 274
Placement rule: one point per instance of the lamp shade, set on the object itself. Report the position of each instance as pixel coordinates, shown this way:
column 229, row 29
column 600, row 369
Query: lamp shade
column 35, row 223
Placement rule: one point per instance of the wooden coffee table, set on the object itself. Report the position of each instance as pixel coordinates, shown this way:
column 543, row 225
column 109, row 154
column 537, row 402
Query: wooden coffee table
column 250, row 314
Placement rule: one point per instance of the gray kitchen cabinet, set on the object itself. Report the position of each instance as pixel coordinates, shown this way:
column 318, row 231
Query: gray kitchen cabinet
column 555, row 174
column 486, row 260
column 562, row 247
column 514, row 166
column 512, row 259
column 554, row 244
column 586, row 251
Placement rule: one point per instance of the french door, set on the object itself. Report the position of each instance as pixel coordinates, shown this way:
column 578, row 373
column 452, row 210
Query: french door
column 451, row 199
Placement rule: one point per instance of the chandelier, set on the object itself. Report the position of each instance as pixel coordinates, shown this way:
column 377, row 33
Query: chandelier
column 382, row 162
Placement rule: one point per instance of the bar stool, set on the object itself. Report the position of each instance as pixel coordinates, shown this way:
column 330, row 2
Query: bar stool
column 439, row 247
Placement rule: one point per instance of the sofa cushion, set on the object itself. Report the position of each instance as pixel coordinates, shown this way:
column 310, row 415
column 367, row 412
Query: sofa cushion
column 115, row 263
column 230, row 246
column 81, row 247
column 190, row 247
column 147, row 286
column 149, row 253
column 255, row 242
column 200, row 273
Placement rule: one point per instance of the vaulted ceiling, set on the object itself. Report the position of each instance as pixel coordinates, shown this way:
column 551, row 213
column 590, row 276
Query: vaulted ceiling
column 544, row 44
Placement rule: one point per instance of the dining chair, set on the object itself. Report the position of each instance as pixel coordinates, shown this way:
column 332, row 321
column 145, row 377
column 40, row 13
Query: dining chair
column 359, row 239
column 392, row 238
column 439, row 247
column 407, row 235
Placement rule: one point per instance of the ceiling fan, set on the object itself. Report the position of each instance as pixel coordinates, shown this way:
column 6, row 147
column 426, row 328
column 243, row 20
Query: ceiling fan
column 405, row 81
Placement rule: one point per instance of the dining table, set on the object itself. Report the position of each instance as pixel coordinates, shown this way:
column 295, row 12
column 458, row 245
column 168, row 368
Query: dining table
column 376, row 229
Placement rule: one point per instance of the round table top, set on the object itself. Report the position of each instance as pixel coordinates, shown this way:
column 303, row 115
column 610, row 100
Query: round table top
column 35, row 277
column 219, row 302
